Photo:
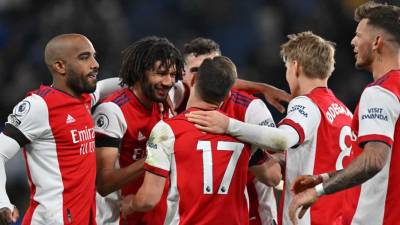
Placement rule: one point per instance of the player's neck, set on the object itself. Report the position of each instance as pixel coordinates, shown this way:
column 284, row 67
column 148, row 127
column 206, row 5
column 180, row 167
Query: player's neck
column 138, row 92
column 308, row 84
column 382, row 65
column 195, row 102
column 62, row 86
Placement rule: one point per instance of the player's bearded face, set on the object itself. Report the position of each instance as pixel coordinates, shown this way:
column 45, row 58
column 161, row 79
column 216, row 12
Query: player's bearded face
column 81, row 68
column 158, row 82
column 362, row 43
column 82, row 82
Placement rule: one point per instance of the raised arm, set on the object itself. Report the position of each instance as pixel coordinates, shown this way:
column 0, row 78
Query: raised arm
column 104, row 88
column 273, row 95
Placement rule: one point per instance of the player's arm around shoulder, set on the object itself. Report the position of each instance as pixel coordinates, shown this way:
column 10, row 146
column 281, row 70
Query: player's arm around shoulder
column 104, row 88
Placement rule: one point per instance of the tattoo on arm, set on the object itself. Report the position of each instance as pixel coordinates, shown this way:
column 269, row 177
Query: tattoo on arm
column 364, row 167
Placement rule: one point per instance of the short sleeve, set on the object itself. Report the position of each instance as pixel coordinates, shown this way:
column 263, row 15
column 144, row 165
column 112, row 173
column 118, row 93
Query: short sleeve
column 110, row 125
column 160, row 149
column 105, row 88
column 377, row 115
column 257, row 113
column 177, row 94
column 304, row 116
column 30, row 118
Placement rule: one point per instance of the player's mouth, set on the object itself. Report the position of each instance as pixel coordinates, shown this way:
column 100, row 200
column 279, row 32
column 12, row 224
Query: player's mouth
column 92, row 76
column 162, row 91
column 355, row 53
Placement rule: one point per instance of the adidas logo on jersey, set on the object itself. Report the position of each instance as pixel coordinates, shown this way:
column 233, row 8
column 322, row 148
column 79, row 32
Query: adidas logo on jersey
column 70, row 119
column 141, row 137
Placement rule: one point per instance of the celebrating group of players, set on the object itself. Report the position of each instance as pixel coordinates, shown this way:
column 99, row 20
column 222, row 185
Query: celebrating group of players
column 158, row 149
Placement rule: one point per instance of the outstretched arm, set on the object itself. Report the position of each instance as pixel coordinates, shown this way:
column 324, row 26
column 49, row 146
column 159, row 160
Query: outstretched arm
column 279, row 139
column 273, row 95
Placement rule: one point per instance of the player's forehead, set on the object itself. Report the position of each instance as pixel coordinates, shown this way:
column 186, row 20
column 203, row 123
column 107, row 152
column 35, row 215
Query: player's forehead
column 167, row 67
column 193, row 60
column 82, row 45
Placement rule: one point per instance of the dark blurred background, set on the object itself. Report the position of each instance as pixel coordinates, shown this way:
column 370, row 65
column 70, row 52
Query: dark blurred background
column 250, row 32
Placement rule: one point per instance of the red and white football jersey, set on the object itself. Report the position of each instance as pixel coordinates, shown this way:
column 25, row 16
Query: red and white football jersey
column 207, row 173
column 58, row 133
column 377, row 119
column 323, row 124
column 123, row 122
column 247, row 108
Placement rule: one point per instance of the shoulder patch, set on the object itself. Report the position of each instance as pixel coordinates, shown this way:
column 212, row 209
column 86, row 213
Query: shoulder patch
column 22, row 108
column 102, row 121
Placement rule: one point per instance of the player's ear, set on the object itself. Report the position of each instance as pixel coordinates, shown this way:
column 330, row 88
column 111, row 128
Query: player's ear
column 59, row 67
column 296, row 68
column 377, row 43
column 194, row 79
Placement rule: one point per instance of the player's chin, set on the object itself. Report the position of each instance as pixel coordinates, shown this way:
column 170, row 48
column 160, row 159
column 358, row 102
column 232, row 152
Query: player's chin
column 90, row 87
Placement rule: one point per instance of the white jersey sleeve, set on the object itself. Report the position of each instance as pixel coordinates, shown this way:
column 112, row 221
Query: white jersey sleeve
column 26, row 123
column 109, row 120
column 30, row 117
column 160, row 148
column 104, row 88
column 378, row 112
column 264, row 137
column 177, row 94
column 303, row 116
column 258, row 113
column 9, row 147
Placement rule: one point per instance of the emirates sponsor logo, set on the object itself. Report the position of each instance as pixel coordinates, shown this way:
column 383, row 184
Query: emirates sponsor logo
column 86, row 138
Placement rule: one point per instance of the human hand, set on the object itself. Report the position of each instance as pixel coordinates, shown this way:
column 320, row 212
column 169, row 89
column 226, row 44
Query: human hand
column 126, row 205
column 209, row 121
column 7, row 216
column 275, row 97
column 305, row 182
column 302, row 200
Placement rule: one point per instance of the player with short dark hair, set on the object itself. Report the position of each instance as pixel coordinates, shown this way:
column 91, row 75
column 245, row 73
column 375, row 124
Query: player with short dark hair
column 244, row 107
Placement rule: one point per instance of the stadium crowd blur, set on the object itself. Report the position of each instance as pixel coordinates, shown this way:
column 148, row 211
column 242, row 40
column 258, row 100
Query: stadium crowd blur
column 249, row 32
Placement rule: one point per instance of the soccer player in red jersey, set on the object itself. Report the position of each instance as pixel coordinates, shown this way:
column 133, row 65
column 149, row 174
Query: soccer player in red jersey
column 247, row 108
column 124, row 121
column 207, row 172
column 54, row 127
column 122, row 118
column 376, row 124
column 316, row 121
